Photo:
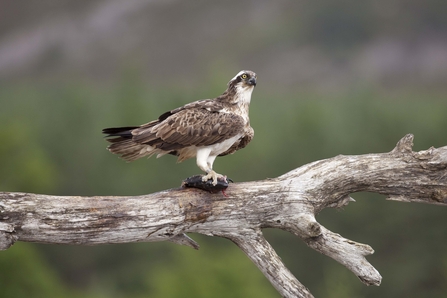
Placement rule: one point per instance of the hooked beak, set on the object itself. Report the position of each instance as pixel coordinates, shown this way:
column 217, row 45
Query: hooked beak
column 252, row 81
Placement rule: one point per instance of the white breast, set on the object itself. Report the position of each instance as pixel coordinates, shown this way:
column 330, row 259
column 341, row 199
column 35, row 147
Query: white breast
column 219, row 148
column 244, row 94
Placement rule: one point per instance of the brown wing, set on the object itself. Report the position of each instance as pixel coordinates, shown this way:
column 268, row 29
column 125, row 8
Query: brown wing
column 198, row 127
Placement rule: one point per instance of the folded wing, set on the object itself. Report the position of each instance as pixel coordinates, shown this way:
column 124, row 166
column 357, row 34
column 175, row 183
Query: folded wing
column 174, row 131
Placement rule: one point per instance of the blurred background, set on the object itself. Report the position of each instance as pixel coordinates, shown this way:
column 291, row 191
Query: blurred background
column 334, row 77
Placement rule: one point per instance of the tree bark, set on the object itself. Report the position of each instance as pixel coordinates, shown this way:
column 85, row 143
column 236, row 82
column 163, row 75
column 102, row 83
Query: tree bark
column 289, row 202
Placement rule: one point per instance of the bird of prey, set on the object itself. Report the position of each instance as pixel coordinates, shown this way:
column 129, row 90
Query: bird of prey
column 203, row 129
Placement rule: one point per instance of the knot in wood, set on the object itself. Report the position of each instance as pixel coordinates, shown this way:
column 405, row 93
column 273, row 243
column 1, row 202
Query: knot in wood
column 439, row 195
column 198, row 212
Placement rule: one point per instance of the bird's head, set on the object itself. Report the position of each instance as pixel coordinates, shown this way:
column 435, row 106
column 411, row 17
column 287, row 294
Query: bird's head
column 245, row 79
column 240, row 88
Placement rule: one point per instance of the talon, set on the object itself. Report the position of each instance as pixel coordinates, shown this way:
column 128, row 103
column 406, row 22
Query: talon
column 214, row 176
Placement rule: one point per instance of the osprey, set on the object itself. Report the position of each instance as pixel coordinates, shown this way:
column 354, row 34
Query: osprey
column 203, row 129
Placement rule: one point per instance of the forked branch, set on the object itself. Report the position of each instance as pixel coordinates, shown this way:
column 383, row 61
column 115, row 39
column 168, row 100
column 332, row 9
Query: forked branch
column 289, row 202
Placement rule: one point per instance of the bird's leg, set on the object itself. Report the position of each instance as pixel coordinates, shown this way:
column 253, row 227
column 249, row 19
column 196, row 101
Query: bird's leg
column 205, row 163
column 212, row 175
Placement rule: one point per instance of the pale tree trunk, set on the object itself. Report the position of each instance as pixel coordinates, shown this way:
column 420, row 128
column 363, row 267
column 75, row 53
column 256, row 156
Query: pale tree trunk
column 289, row 202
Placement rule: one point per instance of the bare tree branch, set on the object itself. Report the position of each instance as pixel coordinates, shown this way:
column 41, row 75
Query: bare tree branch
column 265, row 257
column 289, row 202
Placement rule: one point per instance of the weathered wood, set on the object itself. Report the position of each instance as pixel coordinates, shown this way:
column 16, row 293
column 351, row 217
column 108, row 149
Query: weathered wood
column 289, row 202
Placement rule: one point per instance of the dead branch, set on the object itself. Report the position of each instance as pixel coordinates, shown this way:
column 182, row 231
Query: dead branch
column 289, row 202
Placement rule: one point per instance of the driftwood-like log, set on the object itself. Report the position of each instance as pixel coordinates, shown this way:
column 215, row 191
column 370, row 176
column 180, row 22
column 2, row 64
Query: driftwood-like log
column 289, row 202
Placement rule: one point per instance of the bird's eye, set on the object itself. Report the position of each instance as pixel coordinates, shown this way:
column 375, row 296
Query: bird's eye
column 244, row 76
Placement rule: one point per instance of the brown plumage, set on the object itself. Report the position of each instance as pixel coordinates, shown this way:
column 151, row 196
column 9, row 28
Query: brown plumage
column 205, row 129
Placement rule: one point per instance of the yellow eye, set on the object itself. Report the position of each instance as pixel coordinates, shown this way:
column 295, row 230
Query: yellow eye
column 244, row 76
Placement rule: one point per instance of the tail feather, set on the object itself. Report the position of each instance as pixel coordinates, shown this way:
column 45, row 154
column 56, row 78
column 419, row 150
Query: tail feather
column 123, row 145
column 129, row 150
column 125, row 132
column 131, row 146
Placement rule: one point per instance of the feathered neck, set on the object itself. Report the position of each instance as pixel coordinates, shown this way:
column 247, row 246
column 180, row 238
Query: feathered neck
column 237, row 94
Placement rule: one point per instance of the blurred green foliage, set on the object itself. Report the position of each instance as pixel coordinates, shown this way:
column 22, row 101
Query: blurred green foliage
column 23, row 273
column 51, row 143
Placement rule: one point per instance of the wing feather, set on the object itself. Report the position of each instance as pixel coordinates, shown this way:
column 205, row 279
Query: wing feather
column 189, row 127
